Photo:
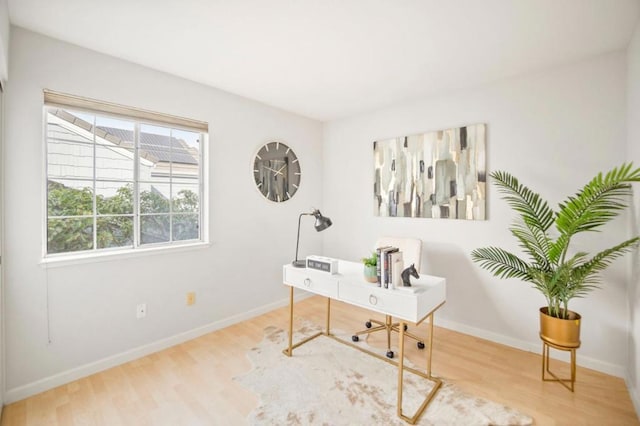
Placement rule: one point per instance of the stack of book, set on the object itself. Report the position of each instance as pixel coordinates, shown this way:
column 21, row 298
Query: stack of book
column 389, row 267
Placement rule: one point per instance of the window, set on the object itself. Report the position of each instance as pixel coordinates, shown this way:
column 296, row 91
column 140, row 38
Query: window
column 120, row 178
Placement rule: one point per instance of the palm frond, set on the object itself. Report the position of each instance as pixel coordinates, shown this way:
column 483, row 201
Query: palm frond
column 598, row 201
column 533, row 209
column 534, row 242
column 587, row 271
column 557, row 248
column 501, row 263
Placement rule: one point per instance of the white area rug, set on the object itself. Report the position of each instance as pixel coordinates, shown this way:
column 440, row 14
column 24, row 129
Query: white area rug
column 327, row 382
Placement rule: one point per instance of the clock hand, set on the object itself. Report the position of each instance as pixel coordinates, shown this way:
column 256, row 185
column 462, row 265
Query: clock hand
column 274, row 170
column 280, row 169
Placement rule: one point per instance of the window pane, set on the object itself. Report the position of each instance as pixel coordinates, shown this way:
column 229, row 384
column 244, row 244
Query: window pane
column 114, row 163
column 168, row 152
column 69, row 144
column 115, row 231
column 114, row 148
column 154, row 197
column 155, row 152
column 69, row 126
column 69, row 159
column 69, row 198
column 66, row 235
column 186, row 198
column 154, row 229
column 114, row 197
column 185, row 153
column 185, row 227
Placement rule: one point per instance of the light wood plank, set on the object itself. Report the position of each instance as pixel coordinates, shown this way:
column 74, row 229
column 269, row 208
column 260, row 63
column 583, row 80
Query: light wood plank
column 192, row 383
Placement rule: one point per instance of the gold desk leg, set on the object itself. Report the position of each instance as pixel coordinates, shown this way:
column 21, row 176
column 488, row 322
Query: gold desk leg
column 400, row 368
column 430, row 345
column 289, row 350
column 436, row 382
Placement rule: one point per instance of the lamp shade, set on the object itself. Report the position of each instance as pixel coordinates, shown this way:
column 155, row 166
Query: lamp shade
column 322, row 223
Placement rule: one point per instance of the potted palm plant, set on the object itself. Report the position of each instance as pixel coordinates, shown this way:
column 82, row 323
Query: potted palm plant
column 550, row 265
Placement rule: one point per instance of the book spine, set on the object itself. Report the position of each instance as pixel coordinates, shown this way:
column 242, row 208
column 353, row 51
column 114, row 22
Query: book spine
column 396, row 269
column 386, row 269
column 389, row 267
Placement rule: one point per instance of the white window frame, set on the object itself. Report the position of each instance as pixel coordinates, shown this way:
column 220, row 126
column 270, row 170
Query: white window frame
column 138, row 117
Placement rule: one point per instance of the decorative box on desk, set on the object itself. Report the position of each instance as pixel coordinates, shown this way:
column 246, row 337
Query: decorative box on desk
column 325, row 264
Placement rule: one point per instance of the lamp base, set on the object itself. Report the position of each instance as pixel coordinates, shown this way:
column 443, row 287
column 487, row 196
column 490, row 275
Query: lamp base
column 299, row 263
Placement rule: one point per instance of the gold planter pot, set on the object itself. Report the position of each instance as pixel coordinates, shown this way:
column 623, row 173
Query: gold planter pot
column 558, row 331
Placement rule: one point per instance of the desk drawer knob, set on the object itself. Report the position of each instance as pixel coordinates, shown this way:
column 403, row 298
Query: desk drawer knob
column 373, row 299
column 307, row 282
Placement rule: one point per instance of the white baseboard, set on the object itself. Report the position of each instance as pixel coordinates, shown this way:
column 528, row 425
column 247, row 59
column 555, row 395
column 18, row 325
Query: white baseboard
column 25, row 391
column 536, row 347
column 633, row 393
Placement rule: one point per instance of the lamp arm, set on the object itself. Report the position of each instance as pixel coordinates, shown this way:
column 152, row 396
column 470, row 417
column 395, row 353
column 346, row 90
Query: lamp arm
column 298, row 238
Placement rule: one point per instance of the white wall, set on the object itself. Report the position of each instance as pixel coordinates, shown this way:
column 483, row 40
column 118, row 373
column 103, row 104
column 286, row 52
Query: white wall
column 4, row 49
column 91, row 306
column 633, row 144
column 4, row 40
column 554, row 130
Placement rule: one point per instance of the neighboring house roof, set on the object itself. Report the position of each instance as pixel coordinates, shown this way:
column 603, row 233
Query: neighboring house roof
column 162, row 147
column 155, row 148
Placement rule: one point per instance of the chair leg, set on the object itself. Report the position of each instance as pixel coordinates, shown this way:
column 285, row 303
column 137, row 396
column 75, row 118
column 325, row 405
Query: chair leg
column 378, row 322
column 370, row 330
column 396, row 328
column 389, row 326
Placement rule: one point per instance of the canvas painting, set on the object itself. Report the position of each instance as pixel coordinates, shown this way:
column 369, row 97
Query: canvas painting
column 439, row 174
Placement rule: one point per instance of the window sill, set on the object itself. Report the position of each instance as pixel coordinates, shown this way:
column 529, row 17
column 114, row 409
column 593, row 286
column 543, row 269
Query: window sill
column 77, row 259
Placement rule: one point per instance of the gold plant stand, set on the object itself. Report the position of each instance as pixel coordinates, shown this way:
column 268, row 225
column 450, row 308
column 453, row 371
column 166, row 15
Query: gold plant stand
column 567, row 383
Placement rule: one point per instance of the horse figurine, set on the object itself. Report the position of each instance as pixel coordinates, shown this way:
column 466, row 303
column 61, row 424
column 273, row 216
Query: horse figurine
column 407, row 273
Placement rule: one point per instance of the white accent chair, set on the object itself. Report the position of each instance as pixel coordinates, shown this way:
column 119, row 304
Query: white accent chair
column 411, row 249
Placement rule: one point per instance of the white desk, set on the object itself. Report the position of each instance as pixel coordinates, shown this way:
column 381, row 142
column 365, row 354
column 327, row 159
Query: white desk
column 350, row 287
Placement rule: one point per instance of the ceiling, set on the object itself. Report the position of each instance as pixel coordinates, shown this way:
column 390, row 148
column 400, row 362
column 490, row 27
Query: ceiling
column 329, row 59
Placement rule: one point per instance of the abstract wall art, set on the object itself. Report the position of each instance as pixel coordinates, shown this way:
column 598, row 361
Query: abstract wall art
column 440, row 174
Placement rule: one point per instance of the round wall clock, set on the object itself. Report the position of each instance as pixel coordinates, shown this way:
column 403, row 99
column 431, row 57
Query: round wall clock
column 276, row 171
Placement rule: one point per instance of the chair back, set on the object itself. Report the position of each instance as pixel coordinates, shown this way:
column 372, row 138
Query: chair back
column 411, row 249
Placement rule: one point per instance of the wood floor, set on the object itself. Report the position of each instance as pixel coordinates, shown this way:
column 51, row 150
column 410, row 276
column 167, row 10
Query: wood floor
column 191, row 384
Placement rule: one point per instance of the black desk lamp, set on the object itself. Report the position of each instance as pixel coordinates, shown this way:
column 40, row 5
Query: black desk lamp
column 322, row 223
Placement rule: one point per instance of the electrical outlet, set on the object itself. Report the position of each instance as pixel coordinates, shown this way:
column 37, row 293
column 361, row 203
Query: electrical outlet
column 191, row 298
column 141, row 310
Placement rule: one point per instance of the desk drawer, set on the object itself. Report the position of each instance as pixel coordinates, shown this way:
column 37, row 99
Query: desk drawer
column 382, row 300
column 313, row 281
